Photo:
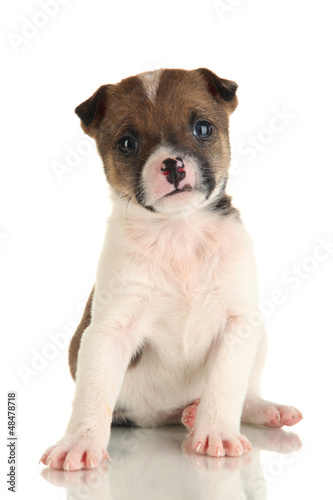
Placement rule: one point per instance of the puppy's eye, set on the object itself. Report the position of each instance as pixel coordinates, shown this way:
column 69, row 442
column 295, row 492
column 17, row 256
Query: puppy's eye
column 202, row 129
column 127, row 144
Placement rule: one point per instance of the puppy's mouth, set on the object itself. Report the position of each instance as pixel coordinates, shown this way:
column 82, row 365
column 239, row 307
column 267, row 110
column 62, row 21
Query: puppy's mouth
column 185, row 188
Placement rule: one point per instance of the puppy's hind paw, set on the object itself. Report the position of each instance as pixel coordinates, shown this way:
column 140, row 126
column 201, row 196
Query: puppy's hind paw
column 261, row 412
column 189, row 413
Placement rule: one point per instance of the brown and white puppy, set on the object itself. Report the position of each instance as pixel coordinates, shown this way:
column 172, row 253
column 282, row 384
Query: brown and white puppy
column 171, row 330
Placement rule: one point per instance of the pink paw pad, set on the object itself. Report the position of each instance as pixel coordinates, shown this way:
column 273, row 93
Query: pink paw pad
column 216, row 446
column 189, row 413
column 235, row 447
column 72, row 457
column 272, row 417
column 290, row 415
column 282, row 415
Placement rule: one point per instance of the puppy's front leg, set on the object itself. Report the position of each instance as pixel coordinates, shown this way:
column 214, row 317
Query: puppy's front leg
column 105, row 352
column 216, row 431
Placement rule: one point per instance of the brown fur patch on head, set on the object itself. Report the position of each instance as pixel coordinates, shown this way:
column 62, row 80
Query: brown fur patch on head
column 92, row 110
column 182, row 97
column 223, row 90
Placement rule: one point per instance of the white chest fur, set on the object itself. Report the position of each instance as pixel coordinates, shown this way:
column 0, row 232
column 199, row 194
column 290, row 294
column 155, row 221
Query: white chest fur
column 187, row 276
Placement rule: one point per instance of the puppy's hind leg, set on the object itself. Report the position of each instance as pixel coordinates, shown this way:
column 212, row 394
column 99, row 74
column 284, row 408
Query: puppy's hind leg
column 254, row 389
column 259, row 411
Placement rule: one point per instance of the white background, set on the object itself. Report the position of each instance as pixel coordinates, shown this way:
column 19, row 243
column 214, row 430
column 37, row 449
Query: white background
column 52, row 225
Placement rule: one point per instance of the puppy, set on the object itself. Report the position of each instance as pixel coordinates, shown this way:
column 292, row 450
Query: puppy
column 171, row 331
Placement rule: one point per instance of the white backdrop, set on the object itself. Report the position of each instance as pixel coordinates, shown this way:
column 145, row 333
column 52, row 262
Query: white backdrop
column 54, row 198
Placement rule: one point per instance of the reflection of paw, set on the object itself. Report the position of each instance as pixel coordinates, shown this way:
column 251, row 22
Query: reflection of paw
column 277, row 440
column 73, row 453
column 188, row 416
column 218, row 444
column 289, row 443
column 60, row 478
column 282, row 441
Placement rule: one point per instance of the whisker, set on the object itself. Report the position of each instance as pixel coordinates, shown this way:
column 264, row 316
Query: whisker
column 124, row 194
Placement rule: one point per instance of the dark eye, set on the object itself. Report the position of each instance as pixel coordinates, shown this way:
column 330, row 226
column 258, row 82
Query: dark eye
column 127, row 144
column 202, row 129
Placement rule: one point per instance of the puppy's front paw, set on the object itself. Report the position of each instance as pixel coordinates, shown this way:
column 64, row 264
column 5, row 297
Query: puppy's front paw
column 74, row 453
column 218, row 444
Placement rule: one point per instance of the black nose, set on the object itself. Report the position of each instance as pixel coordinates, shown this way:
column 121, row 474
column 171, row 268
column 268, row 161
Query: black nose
column 174, row 170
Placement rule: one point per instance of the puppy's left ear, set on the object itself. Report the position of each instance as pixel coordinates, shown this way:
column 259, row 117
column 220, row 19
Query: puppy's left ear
column 92, row 111
column 223, row 90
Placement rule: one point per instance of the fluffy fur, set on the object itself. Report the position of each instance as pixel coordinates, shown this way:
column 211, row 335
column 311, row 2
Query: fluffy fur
column 173, row 317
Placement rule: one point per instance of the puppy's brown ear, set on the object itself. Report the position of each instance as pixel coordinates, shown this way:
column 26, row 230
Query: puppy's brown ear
column 223, row 90
column 92, row 111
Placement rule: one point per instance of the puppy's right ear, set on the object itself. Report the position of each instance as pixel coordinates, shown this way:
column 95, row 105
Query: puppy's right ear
column 92, row 111
column 223, row 90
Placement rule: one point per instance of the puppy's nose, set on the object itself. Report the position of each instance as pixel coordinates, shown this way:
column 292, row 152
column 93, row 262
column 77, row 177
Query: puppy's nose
column 174, row 170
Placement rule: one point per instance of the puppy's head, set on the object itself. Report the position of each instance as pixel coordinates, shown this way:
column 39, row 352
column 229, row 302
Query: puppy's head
column 163, row 137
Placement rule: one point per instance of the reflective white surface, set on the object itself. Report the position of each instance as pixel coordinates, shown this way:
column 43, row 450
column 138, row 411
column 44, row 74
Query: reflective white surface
column 155, row 463
column 52, row 229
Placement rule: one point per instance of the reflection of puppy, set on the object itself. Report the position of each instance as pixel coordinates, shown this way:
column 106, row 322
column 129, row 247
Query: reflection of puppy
column 180, row 472
column 173, row 315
